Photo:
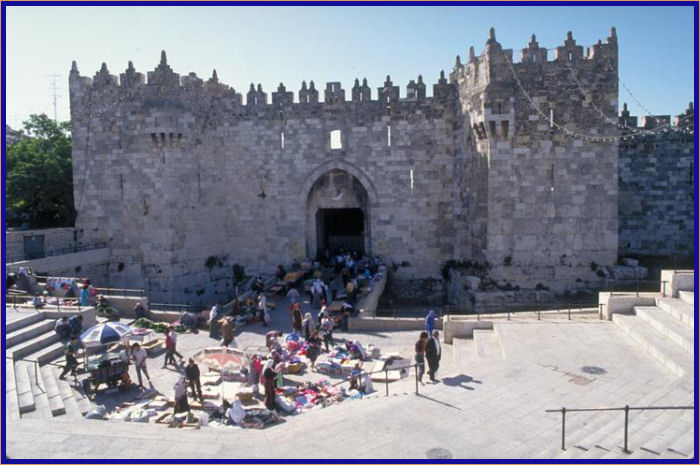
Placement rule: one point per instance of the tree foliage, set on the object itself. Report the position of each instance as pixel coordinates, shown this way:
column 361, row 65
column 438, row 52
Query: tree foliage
column 39, row 188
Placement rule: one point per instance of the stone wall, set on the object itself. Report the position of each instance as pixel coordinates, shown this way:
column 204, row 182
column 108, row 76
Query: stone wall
column 55, row 240
column 552, row 157
column 183, row 181
column 657, row 176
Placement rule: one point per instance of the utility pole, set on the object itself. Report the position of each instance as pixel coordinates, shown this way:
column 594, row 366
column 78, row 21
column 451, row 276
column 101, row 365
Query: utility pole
column 55, row 95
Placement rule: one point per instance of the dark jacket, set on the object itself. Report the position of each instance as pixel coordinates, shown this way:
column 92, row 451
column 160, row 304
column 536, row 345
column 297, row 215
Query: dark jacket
column 431, row 351
column 192, row 372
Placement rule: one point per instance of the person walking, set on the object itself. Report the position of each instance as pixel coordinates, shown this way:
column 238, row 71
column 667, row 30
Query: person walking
column 270, row 377
column 314, row 349
column 173, row 337
column 327, row 332
column 76, row 325
column 262, row 309
column 192, row 375
column 430, row 322
column 433, row 353
column 308, row 325
column 71, row 361
column 296, row 317
column 420, row 354
column 254, row 372
column 169, row 354
column 140, row 355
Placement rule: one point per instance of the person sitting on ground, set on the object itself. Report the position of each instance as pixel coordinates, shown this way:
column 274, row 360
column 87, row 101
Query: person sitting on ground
column 227, row 327
column 192, row 374
column 62, row 328
column 140, row 311
column 271, row 341
column 38, row 302
column 76, row 325
column 189, row 321
column 356, row 378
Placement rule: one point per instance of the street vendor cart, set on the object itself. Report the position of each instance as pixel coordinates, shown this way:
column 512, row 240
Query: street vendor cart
column 109, row 368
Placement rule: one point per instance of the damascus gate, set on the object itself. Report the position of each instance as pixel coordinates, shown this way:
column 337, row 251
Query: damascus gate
column 517, row 162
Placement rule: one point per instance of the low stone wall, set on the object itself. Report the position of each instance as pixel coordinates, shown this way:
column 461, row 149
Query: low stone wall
column 681, row 280
column 624, row 303
column 454, row 327
column 368, row 304
column 362, row 323
column 125, row 305
column 91, row 264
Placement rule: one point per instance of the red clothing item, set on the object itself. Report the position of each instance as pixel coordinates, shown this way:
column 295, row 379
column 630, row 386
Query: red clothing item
column 168, row 342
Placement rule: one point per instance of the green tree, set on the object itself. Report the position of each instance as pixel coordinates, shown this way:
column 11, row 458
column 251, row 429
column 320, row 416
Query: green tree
column 39, row 188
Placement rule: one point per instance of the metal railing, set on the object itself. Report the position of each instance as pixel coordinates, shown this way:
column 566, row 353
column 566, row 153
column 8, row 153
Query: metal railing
column 625, row 409
column 637, row 286
column 173, row 307
column 26, row 300
column 539, row 308
column 386, row 376
column 114, row 291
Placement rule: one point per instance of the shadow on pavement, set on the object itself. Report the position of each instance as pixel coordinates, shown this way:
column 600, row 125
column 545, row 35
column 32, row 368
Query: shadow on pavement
column 460, row 381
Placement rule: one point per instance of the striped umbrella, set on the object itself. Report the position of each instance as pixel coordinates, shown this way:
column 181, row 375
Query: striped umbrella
column 104, row 333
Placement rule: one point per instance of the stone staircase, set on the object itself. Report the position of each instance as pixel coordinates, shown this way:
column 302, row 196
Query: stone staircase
column 482, row 348
column 666, row 331
column 34, row 359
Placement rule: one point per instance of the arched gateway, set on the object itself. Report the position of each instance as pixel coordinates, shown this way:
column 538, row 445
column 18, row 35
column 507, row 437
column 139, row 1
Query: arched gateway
column 337, row 213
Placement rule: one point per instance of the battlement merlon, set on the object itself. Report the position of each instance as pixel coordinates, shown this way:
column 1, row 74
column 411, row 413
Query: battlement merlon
column 482, row 69
column 684, row 120
column 171, row 84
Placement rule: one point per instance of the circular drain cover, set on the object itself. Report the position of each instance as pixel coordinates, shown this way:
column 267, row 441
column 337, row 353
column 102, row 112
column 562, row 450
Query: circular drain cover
column 438, row 453
column 591, row 370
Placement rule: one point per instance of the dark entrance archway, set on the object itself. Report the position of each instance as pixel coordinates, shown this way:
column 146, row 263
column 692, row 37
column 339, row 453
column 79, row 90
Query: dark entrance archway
column 340, row 228
column 337, row 214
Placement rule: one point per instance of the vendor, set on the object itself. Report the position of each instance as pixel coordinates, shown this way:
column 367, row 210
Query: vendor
column 308, row 325
column 188, row 321
column 227, row 327
column 271, row 341
column 269, row 376
column 140, row 311
column 296, row 317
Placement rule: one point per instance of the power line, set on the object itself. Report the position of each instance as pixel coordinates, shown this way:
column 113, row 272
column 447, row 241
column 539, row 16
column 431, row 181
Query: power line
column 55, row 95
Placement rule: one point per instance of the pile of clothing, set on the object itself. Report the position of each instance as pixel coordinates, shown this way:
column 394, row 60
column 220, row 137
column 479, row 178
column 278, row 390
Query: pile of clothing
column 319, row 394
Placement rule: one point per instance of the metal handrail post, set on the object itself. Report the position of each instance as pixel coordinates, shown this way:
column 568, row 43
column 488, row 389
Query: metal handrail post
column 508, row 315
column 663, row 289
column 416, row 366
column 627, row 415
column 36, row 372
column 600, row 311
column 569, row 309
column 636, row 283
column 386, row 380
column 563, row 428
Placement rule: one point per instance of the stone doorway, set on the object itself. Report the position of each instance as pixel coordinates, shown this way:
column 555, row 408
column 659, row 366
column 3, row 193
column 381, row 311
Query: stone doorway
column 337, row 214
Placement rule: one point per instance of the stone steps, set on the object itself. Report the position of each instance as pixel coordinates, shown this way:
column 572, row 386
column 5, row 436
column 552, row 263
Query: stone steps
column 488, row 349
column 49, row 353
column 597, row 427
column 669, row 326
column 56, row 404
column 687, row 297
column 70, row 402
column 678, row 309
column 41, row 399
column 19, row 323
column 464, row 353
column 668, row 353
column 12, row 402
column 25, row 397
column 684, row 445
column 33, row 345
column 28, row 332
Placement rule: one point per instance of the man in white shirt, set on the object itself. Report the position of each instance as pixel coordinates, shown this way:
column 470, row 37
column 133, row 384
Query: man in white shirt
column 173, row 337
column 139, row 355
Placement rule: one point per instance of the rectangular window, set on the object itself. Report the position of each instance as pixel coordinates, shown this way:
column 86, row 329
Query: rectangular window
column 336, row 142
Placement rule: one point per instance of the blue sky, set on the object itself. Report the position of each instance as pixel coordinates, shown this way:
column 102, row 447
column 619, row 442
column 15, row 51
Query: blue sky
column 269, row 45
